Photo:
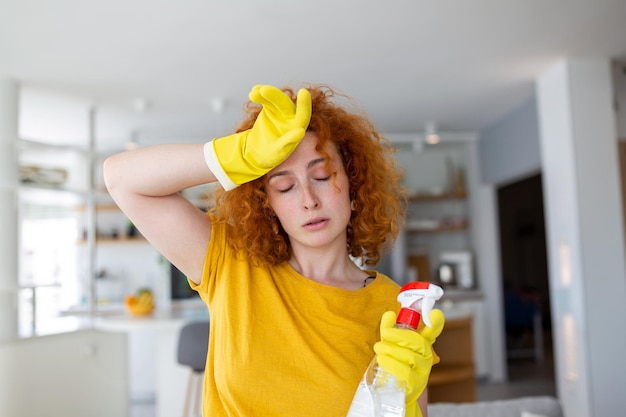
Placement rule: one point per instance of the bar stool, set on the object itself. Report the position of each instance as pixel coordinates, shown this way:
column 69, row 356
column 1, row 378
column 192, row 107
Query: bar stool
column 193, row 344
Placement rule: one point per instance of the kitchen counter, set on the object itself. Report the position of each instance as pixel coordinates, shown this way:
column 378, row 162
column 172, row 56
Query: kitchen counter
column 115, row 317
column 153, row 371
column 459, row 294
column 173, row 315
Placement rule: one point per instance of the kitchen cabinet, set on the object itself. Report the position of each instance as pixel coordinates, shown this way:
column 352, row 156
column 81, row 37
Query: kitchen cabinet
column 453, row 379
column 462, row 347
column 464, row 303
column 151, row 350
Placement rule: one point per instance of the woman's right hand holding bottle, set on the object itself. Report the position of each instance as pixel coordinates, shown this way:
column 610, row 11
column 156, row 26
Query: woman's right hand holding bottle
column 409, row 355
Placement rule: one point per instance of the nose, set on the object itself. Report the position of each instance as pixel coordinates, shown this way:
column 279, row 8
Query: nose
column 310, row 198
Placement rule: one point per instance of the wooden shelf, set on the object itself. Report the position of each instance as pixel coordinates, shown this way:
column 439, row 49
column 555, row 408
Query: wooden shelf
column 122, row 239
column 436, row 197
column 442, row 225
column 440, row 229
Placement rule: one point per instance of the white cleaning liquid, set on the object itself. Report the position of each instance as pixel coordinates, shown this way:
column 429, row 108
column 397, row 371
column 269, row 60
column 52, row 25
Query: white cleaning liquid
column 389, row 403
column 378, row 395
column 362, row 403
column 388, row 396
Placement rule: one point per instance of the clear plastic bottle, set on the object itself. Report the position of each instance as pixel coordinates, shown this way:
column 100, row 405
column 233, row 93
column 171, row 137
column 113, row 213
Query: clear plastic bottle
column 388, row 394
column 379, row 393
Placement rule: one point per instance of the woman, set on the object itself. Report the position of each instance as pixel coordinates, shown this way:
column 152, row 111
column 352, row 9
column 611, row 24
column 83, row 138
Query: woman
column 307, row 187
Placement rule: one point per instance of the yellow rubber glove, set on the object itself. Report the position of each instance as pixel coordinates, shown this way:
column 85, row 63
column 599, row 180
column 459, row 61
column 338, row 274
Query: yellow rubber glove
column 278, row 129
column 409, row 355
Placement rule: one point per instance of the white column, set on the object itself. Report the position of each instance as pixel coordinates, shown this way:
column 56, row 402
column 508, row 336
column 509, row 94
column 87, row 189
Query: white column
column 8, row 209
column 483, row 211
column 584, row 236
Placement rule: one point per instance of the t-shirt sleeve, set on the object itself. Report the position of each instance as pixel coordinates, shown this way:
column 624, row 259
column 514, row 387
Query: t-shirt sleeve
column 216, row 251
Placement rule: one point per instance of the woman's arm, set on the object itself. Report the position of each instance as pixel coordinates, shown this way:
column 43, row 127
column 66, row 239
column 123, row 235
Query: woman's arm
column 145, row 184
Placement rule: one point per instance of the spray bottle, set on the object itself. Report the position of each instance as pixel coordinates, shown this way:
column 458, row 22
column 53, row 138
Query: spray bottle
column 378, row 393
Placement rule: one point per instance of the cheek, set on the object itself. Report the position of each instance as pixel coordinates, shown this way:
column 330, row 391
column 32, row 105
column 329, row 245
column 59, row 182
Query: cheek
column 347, row 209
column 283, row 207
column 341, row 201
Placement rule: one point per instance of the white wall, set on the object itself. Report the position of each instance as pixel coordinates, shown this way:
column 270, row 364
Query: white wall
column 485, row 243
column 8, row 212
column 584, row 235
column 509, row 149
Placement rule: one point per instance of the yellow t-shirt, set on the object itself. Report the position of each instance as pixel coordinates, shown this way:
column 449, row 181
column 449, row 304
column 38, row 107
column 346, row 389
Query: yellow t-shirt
column 283, row 345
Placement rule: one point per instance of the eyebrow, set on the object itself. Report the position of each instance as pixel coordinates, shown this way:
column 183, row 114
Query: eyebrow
column 309, row 165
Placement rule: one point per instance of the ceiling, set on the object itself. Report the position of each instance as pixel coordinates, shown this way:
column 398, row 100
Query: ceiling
column 189, row 64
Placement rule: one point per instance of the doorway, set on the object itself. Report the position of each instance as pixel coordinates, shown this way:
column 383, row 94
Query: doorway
column 526, row 294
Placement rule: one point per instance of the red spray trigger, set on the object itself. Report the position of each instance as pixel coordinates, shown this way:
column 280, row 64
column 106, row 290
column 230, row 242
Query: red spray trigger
column 418, row 298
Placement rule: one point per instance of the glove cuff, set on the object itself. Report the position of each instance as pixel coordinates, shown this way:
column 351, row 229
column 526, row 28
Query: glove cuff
column 214, row 165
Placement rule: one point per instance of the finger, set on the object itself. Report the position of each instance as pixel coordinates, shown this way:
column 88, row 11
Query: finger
column 406, row 339
column 276, row 101
column 273, row 101
column 303, row 108
column 254, row 94
column 411, row 358
column 437, row 319
column 387, row 321
column 282, row 147
column 292, row 137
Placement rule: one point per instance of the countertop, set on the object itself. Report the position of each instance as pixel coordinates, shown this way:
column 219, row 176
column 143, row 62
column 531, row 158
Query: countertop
column 179, row 312
column 114, row 317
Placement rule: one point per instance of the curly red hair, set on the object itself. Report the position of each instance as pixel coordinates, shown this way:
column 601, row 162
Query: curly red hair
column 378, row 197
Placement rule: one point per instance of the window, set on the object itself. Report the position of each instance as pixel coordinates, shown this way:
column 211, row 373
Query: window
column 48, row 267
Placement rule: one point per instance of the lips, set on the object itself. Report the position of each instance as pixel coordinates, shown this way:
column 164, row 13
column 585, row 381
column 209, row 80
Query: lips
column 315, row 223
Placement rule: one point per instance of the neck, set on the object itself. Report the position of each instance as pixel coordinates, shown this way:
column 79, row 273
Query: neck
column 332, row 268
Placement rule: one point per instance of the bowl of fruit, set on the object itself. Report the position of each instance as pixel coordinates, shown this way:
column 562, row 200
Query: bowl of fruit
column 141, row 303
